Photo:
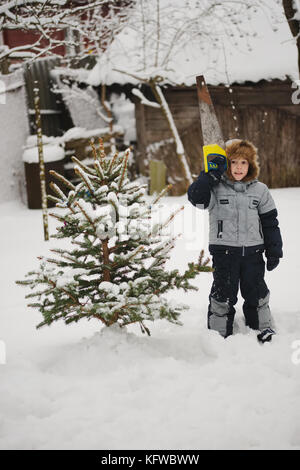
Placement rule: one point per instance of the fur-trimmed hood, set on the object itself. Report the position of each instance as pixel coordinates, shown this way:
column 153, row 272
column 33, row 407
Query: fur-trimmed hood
column 238, row 148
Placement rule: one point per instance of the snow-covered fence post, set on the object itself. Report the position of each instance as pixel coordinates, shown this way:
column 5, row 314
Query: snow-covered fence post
column 157, row 176
column 38, row 123
column 4, row 62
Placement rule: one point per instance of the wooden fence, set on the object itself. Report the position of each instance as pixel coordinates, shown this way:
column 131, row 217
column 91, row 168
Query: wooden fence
column 55, row 118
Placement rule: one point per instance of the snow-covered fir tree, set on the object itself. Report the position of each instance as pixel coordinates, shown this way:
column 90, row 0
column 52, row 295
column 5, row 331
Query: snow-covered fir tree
column 114, row 269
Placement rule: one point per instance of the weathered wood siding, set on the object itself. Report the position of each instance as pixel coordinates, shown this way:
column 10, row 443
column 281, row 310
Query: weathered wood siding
column 262, row 113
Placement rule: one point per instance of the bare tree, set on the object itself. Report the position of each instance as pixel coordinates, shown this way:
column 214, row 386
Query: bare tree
column 89, row 26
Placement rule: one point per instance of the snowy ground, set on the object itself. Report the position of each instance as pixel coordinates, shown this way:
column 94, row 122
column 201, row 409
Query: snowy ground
column 80, row 386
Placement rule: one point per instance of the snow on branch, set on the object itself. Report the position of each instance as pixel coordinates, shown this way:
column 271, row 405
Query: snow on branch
column 90, row 27
column 144, row 100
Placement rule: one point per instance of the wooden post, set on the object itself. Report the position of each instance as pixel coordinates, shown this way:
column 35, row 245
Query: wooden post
column 157, row 176
column 4, row 66
column 38, row 123
column 141, row 137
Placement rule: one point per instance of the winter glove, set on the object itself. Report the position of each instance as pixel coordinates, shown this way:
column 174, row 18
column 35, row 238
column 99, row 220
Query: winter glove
column 221, row 161
column 272, row 263
column 215, row 174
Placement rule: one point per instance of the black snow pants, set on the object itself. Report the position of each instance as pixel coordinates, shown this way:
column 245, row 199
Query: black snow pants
column 234, row 267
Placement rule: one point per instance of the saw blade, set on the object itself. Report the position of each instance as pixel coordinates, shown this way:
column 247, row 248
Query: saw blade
column 211, row 130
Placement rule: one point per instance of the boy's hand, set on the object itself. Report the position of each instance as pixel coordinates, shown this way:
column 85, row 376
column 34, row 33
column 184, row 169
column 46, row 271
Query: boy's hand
column 221, row 162
column 272, row 263
column 215, row 173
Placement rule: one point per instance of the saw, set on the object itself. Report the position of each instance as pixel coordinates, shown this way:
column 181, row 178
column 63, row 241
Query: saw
column 213, row 140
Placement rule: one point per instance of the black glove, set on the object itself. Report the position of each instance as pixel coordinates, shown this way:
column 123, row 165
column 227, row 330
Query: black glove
column 272, row 263
column 215, row 174
column 221, row 162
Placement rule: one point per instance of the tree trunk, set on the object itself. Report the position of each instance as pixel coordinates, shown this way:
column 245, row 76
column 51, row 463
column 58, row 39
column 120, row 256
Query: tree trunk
column 293, row 24
column 106, row 272
column 38, row 123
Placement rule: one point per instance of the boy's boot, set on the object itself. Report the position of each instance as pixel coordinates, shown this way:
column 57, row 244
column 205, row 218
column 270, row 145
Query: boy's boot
column 266, row 335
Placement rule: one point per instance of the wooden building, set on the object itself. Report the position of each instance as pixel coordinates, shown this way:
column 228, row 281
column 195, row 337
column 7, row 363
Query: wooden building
column 261, row 112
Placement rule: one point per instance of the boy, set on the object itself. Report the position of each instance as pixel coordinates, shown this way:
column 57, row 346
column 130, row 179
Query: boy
column 242, row 225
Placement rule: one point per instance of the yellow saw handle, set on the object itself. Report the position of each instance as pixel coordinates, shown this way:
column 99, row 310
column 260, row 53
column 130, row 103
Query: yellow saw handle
column 213, row 150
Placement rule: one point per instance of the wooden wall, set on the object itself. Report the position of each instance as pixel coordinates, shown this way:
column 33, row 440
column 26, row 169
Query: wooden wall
column 262, row 113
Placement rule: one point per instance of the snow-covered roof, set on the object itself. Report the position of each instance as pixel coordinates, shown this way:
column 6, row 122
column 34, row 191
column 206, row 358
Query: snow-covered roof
column 260, row 46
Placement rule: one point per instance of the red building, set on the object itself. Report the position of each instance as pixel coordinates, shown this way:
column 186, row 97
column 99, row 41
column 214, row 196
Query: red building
column 16, row 37
column 19, row 37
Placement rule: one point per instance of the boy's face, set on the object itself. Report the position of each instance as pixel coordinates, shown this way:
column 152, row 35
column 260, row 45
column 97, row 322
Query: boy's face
column 239, row 168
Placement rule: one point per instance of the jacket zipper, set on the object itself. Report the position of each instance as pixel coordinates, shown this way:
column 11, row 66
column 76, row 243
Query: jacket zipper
column 220, row 229
column 238, row 221
column 238, row 218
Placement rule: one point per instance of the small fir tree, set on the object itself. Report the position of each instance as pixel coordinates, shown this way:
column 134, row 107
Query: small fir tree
column 115, row 268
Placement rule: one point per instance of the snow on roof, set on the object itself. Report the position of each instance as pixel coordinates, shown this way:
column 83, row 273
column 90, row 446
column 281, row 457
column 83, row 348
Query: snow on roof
column 261, row 47
column 82, row 133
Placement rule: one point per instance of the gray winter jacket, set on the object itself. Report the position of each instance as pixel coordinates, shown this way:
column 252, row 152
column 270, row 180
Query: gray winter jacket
column 241, row 214
column 234, row 211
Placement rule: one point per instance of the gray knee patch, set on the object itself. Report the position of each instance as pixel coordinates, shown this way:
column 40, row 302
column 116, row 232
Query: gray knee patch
column 218, row 316
column 219, row 308
column 264, row 314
